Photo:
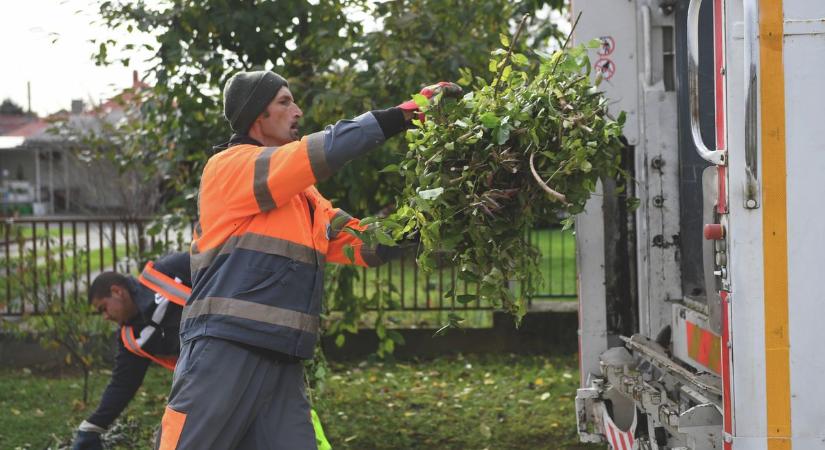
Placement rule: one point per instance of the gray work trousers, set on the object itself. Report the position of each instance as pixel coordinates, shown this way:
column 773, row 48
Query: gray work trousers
column 225, row 396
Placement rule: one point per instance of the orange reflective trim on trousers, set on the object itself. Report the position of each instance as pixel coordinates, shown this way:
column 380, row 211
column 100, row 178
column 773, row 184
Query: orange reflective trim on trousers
column 171, row 426
column 165, row 285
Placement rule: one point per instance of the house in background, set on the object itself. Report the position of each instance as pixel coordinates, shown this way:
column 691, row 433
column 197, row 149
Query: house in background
column 41, row 173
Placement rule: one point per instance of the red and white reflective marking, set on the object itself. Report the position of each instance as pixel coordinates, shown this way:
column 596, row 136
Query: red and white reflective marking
column 618, row 439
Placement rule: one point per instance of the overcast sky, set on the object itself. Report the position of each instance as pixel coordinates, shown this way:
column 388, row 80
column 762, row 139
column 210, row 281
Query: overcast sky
column 47, row 43
column 58, row 71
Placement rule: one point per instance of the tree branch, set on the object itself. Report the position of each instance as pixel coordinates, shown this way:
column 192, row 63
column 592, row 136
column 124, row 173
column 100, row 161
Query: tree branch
column 506, row 60
column 555, row 194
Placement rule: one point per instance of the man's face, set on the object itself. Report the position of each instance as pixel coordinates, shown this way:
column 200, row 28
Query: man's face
column 117, row 306
column 279, row 123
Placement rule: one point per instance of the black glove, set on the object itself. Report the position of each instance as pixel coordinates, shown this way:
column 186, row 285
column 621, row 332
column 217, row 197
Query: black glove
column 87, row 440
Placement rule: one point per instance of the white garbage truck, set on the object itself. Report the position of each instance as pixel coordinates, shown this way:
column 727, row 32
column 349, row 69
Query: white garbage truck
column 702, row 313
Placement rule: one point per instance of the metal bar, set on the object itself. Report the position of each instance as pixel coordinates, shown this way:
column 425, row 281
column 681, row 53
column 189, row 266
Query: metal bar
column 21, row 264
column 563, row 258
column 74, row 258
column 48, row 263
column 62, row 264
column 364, row 274
column 141, row 243
column 100, row 238
column 7, row 233
column 114, row 246
column 128, row 253
column 751, row 103
column 441, row 287
column 415, row 284
column 88, row 256
column 403, row 285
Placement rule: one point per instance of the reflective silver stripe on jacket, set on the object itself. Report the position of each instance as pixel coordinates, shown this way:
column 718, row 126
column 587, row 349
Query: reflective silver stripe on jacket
column 252, row 311
column 317, row 156
column 173, row 289
column 149, row 330
column 260, row 181
column 258, row 242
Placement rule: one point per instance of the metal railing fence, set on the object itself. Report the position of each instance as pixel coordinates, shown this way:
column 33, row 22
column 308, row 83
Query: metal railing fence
column 44, row 260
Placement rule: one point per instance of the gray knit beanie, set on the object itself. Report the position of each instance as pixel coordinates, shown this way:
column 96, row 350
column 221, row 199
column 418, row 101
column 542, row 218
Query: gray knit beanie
column 246, row 95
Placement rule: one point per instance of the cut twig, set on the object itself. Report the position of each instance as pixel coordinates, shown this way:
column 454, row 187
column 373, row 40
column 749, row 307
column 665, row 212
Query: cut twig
column 567, row 40
column 506, row 59
column 563, row 47
column 555, row 194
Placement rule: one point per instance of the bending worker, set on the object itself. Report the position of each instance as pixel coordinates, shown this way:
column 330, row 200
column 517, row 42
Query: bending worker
column 148, row 311
column 264, row 235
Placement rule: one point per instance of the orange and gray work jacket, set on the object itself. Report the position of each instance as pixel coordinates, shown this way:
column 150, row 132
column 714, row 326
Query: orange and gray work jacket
column 265, row 233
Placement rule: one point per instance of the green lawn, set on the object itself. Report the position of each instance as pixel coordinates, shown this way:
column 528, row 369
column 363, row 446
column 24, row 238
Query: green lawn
column 25, row 231
column 473, row 402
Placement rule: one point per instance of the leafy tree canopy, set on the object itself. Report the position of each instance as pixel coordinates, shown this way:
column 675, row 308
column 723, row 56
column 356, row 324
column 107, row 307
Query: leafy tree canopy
column 342, row 57
column 9, row 107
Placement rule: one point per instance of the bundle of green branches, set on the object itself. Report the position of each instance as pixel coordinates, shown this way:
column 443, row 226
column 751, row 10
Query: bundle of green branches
column 525, row 149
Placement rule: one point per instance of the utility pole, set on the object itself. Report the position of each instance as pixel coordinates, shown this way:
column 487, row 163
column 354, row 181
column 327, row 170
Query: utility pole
column 29, row 95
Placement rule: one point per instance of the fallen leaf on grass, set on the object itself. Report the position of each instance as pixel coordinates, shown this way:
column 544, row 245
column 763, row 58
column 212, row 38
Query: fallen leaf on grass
column 39, row 413
column 350, row 438
column 16, row 412
column 485, row 431
column 545, row 396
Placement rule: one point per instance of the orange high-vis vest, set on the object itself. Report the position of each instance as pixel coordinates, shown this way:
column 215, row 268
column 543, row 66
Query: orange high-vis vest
column 163, row 284
column 168, row 291
column 258, row 254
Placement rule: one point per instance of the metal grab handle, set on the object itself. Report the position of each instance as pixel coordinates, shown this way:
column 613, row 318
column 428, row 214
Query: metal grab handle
column 646, row 39
column 713, row 156
column 752, row 194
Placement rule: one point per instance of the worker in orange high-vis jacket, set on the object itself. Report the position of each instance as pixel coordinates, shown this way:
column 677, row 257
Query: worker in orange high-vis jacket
column 148, row 310
column 258, row 256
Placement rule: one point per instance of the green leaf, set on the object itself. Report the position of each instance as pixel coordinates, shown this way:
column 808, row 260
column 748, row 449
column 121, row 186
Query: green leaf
column 349, row 252
column 392, row 168
column 431, row 194
column 504, row 39
column 385, row 239
column 339, row 340
column 466, row 298
column 520, row 59
column 502, row 135
column 396, row 337
column 489, row 120
column 421, row 100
